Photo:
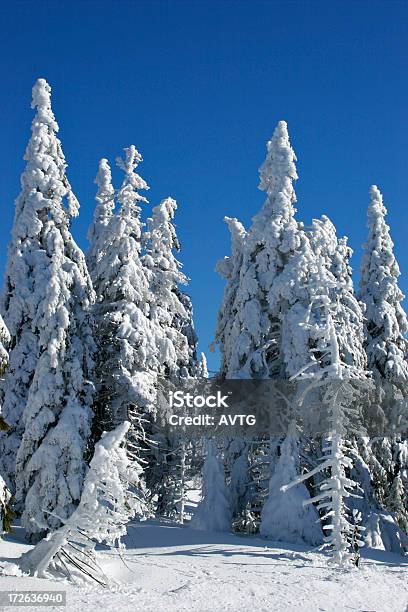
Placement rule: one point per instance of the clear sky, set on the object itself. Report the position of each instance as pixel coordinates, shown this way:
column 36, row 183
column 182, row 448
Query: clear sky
column 198, row 88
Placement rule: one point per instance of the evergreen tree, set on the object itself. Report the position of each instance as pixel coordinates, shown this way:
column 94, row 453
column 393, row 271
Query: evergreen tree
column 105, row 199
column 172, row 321
column 320, row 243
column 249, row 329
column 269, row 244
column 5, row 496
column 127, row 354
column 111, row 496
column 386, row 321
column 213, row 513
column 238, row 466
column 397, row 502
column 227, row 334
column 21, row 299
column 228, row 323
column 47, row 297
column 5, row 510
column 203, row 368
column 323, row 316
column 287, row 516
column 4, row 343
column 387, row 349
column 170, row 314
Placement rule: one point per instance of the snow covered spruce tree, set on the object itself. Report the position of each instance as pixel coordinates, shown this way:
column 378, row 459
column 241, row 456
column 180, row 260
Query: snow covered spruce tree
column 386, row 321
column 227, row 331
column 111, row 496
column 203, row 366
column 269, row 245
column 170, row 311
column 249, row 330
column 228, row 323
column 172, row 321
column 5, row 507
column 4, row 362
column 19, row 303
column 287, row 516
column 48, row 393
column 237, row 468
column 5, row 495
column 324, row 314
column 396, row 501
column 387, row 350
column 213, row 513
column 336, row 255
column 127, row 352
column 226, row 334
column 105, row 199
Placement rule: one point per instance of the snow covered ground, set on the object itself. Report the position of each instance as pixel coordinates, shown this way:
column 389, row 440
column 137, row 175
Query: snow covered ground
column 172, row 568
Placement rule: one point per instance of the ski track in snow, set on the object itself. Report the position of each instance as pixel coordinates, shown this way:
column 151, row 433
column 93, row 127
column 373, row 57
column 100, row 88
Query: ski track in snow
column 176, row 569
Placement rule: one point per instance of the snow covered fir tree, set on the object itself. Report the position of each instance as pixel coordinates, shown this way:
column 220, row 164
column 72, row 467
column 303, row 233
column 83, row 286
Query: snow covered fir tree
column 89, row 343
column 48, row 388
column 5, row 495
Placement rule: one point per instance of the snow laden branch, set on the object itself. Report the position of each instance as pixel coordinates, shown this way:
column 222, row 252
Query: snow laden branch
column 110, row 498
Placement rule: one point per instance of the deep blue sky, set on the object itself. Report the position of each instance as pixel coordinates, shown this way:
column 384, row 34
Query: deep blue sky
column 198, row 88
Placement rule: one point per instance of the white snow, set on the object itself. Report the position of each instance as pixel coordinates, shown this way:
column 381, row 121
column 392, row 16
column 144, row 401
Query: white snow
column 174, row 569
